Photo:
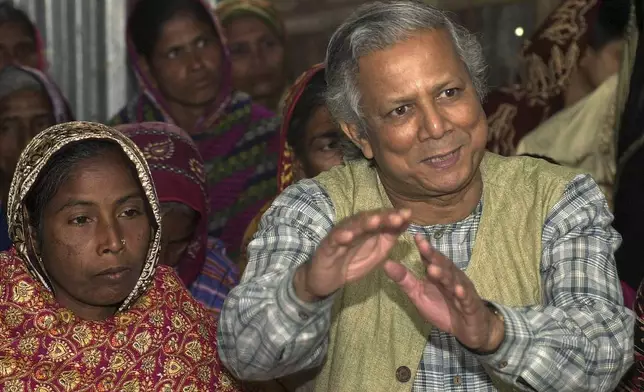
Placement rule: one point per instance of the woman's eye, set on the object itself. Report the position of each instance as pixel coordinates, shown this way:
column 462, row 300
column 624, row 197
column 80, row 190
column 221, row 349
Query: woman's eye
column 79, row 221
column 202, row 43
column 239, row 50
column 270, row 43
column 331, row 145
column 130, row 213
column 173, row 54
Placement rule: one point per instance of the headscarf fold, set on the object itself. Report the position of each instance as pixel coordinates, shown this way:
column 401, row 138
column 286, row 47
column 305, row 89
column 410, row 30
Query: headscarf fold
column 548, row 60
column 238, row 141
column 159, row 339
column 229, row 9
column 178, row 172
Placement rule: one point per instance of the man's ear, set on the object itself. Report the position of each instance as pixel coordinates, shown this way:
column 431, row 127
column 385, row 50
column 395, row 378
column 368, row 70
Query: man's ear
column 360, row 139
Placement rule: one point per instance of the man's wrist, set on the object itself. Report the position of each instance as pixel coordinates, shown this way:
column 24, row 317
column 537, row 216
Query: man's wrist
column 496, row 325
column 299, row 284
column 497, row 330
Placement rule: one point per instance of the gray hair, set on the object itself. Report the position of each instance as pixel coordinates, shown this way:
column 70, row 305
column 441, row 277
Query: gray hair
column 14, row 79
column 376, row 26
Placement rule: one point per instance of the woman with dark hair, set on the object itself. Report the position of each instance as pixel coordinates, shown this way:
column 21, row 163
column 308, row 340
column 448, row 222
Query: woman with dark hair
column 177, row 171
column 29, row 103
column 311, row 139
column 84, row 304
column 20, row 42
column 256, row 38
column 184, row 75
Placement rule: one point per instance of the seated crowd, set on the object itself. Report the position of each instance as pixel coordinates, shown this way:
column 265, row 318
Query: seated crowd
column 394, row 228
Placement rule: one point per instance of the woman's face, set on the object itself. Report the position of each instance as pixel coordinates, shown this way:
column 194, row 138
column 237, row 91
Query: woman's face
column 186, row 61
column 17, row 46
column 178, row 232
column 257, row 55
column 321, row 145
column 95, row 236
column 23, row 114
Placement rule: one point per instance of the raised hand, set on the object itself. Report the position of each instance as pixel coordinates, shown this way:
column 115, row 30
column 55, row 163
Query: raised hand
column 447, row 299
column 350, row 251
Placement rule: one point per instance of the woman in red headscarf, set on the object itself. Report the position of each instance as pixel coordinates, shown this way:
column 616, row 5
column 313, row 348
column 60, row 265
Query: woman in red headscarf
column 181, row 61
column 178, row 173
column 310, row 139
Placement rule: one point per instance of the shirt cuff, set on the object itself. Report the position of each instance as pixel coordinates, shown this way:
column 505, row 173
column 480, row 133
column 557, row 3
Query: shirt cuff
column 509, row 360
column 296, row 310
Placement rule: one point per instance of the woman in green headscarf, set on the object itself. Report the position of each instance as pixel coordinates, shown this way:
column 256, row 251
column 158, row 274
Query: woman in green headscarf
column 256, row 41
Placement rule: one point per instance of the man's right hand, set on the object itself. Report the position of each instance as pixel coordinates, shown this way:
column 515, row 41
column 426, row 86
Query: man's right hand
column 354, row 247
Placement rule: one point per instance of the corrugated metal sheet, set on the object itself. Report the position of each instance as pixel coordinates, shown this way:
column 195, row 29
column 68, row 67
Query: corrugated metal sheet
column 85, row 42
column 86, row 51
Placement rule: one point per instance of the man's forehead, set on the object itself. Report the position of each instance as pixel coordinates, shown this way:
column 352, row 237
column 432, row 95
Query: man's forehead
column 430, row 50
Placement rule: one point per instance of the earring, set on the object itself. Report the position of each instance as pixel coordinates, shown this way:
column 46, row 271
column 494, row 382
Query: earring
column 123, row 241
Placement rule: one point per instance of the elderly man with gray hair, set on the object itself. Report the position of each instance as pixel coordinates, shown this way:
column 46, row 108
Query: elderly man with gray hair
column 428, row 264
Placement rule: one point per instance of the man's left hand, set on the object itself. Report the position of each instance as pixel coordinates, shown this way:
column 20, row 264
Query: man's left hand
column 447, row 299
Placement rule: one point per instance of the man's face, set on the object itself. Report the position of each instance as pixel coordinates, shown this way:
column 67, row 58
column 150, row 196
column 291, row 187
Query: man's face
column 426, row 129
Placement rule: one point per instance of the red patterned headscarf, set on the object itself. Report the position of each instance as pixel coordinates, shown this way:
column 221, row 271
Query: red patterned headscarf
column 548, row 60
column 178, row 174
column 285, row 164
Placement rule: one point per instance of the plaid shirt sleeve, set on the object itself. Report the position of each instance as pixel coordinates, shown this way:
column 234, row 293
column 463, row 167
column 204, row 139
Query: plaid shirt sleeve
column 265, row 331
column 581, row 339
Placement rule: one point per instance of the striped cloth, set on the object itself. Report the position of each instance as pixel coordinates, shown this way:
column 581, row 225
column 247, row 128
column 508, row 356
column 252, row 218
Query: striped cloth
column 218, row 276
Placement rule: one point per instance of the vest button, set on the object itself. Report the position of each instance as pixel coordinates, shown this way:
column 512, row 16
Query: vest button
column 403, row 374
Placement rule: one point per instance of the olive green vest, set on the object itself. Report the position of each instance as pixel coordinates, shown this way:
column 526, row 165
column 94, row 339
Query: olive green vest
column 375, row 329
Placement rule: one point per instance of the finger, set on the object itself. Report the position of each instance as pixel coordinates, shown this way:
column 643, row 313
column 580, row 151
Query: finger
column 442, row 276
column 428, row 252
column 347, row 230
column 431, row 254
column 468, row 299
column 387, row 220
column 440, row 269
column 401, row 276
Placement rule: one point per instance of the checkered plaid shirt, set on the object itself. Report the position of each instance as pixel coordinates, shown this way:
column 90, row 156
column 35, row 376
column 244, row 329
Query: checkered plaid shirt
column 580, row 339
